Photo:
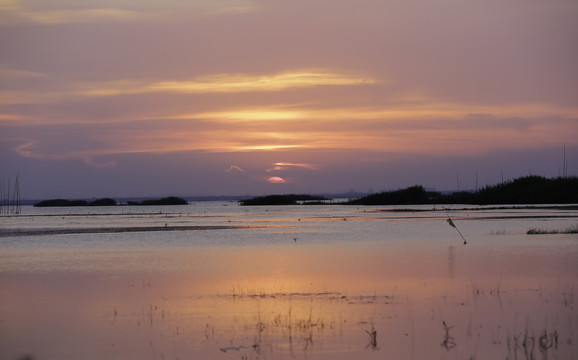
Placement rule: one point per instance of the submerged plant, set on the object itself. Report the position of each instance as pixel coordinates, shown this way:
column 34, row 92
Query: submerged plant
column 448, row 341
column 372, row 338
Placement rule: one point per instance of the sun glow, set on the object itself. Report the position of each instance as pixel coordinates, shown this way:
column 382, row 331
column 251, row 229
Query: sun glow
column 281, row 166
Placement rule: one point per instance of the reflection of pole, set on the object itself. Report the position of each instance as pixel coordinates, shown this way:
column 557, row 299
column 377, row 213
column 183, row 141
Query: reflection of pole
column 564, row 164
column 451, row 261
column 10, row 197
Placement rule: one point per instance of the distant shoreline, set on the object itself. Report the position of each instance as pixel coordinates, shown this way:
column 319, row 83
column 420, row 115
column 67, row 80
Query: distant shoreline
column 485, row 207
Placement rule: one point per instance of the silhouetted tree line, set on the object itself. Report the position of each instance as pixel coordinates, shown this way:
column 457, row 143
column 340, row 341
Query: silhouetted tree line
column 524, row 190
column 413, row 195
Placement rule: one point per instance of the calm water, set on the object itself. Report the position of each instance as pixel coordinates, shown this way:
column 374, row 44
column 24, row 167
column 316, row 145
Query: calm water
column 218, row 281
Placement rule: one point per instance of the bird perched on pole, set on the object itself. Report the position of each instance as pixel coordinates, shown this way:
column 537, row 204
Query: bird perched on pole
column 455, row 227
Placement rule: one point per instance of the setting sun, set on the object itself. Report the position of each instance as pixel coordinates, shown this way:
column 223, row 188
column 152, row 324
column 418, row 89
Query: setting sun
column 276, row 180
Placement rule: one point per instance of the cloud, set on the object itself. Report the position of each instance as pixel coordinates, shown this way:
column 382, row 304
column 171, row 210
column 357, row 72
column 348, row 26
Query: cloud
column 210, row 84
column 26, row 150
column 232, row 83
column 425, row 109
column 258, row 114
column 282, row 166
column 83, row 16
column 234, row 167
column 71, row 12
column 6, row 73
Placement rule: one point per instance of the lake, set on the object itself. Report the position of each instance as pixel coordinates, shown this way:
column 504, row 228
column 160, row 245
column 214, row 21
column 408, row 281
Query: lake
column 215, row 280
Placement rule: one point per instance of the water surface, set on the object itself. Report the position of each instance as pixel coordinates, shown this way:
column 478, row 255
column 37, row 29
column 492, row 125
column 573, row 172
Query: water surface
column 218, row 281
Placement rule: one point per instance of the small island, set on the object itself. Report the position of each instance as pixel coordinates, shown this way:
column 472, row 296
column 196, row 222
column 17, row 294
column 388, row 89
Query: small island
column 171, row 200
column 291, row 199
column 66, row 203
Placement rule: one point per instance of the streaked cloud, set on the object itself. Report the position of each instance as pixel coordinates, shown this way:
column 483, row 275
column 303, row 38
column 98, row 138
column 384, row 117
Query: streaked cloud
column 29, row 149
column 250, row 115
column 234, row 168
column 83, row 16
column 231, row 83
column 93, row 11
column 282, row 166
column 211, row 84
column 426, row 109
column 14, row 73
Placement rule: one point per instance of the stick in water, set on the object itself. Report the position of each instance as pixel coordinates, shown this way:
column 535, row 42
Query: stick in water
column 454, row 226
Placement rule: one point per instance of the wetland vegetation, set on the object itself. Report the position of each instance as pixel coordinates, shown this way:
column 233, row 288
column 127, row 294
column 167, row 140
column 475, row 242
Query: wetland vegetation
column 524, row 190
column 568, row 230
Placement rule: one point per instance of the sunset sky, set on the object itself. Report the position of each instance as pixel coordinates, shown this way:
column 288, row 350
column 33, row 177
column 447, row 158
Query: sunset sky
column 223, row 97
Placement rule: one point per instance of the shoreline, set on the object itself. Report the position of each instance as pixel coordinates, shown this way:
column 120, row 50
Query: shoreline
column 124, row 229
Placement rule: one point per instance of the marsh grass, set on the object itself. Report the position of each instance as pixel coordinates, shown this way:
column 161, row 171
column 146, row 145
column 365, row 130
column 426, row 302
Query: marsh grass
column 568, row 230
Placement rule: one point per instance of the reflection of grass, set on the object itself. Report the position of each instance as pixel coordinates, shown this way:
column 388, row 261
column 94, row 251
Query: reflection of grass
column 526, row 343
column 568, row 230
column 372, row 338
column 258, row 324
column 295, row 327
column 448, row 341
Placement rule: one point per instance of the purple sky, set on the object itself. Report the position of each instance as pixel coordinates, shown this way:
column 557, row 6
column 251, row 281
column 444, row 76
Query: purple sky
column 214, row 97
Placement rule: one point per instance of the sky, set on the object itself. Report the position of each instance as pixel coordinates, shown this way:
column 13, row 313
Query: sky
column 128, row 98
